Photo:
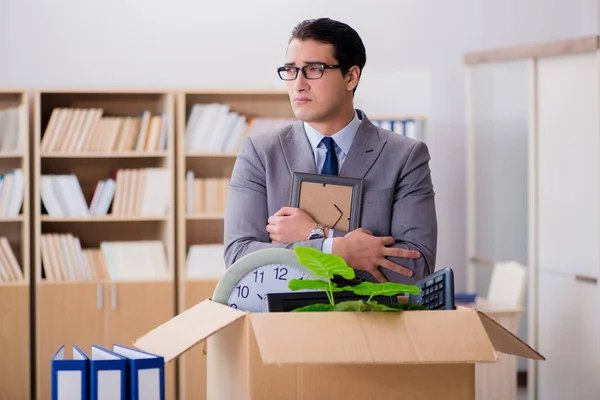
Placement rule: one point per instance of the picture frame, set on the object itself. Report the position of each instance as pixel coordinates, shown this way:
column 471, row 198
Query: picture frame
column 331, row 200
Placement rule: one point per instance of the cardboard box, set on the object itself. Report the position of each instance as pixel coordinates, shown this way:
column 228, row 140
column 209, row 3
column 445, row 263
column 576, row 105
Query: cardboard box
column 336, row 355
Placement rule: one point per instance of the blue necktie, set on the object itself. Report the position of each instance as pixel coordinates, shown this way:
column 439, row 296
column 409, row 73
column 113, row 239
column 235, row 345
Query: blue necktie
column 330, row 167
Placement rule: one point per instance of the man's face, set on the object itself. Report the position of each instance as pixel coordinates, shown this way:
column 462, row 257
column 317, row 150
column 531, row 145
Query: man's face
column 315, row 100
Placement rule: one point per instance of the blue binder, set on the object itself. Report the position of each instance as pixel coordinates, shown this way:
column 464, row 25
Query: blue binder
column 146, row 373
column 70, row 377
column 108, row 379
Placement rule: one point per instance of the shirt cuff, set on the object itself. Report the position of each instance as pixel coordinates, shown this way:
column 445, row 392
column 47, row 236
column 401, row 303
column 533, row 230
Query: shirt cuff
column 327, row 246
column 330, row 233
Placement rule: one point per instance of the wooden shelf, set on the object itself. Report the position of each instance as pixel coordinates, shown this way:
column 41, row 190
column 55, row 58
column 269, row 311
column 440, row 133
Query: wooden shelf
column 19, row 218
column 22, row 283
column 8, row 155
column 211, row 155
column 208, row 228
column 15, row 310
column 101, row 311
column 204, row 217
column 107, row 219
column 115, row 154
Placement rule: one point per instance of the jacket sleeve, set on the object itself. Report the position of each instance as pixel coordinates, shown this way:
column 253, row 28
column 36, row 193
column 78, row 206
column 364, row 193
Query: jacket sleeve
column 246, row 211
column 414, row 221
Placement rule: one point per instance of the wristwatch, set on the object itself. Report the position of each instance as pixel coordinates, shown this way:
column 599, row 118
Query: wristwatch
column 318, row 232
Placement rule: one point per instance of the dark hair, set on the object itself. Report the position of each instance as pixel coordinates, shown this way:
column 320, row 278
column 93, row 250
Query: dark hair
column 348, row 47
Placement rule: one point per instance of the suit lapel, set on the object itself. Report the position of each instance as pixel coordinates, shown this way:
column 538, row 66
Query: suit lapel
column 297, row 151
column 364, row 150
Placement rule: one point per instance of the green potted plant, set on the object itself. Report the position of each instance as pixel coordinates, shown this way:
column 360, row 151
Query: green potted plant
column 328, row 265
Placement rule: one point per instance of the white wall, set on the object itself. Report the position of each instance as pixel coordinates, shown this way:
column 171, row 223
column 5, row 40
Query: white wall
column 415, row 45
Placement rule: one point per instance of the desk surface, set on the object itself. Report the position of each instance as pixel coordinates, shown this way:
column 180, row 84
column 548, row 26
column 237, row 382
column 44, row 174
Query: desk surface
column 494, row 308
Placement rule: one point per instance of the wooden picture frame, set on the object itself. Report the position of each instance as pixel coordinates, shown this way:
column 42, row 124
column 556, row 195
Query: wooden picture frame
column 331, row 200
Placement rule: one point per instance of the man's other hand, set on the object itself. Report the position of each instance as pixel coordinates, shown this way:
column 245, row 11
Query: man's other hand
column 290, row 224
column 365, row 252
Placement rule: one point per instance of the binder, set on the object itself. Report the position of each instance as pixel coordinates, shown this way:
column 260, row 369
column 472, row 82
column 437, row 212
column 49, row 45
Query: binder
column 70, row 377
column 108, row 380
column 145, row 373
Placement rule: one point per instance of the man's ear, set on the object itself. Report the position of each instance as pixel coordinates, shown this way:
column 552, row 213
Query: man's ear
column 352, row 77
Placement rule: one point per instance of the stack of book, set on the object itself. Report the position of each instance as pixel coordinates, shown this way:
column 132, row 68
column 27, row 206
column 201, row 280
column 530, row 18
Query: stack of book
column 10, row 271
column 63, row 259
column 12, row 189
column 10, row 126
column 205, row 195
column 117, row 374
column 215, row 128
column 133, row 192
column 72, row 130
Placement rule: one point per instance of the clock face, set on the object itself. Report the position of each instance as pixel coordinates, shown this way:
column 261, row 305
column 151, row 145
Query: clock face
column 249, row 291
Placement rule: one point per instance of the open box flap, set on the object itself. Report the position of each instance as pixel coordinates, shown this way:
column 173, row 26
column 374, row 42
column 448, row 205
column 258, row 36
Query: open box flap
column 505, row 342
column 185, row 330
column 410, row 337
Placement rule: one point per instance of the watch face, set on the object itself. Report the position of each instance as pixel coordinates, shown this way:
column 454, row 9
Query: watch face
column 249, row 292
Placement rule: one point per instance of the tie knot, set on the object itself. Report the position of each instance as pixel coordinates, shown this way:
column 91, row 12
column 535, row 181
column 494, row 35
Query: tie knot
column 329, row 143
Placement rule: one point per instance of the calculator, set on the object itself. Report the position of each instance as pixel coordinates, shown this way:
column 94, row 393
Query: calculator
column 437, row 291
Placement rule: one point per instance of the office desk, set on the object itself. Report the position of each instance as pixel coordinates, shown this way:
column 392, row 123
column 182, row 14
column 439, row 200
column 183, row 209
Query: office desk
column 498, row 381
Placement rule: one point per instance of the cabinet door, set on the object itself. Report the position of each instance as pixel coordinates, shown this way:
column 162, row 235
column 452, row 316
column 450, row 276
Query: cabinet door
column 569, row 322
column 134, row 308
column 568, row 164
column 14, row 342
column 500, row 114
column 193, row 362
column 69, row 314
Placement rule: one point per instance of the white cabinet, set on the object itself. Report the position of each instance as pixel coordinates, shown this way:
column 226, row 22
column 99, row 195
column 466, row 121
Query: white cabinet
column 568, row 152
column 568, row 336
column 555, row 103
column 500, row 111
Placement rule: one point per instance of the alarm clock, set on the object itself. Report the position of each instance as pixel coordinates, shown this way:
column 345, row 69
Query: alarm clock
column 246, row 282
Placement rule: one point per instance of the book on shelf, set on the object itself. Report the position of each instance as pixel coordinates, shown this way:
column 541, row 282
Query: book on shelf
column 215, row 128
column 73, row 130
column 10, row 271
column 410, row 127
column 12, row 190
column 132, row 192
column 11, row 139
column 205, row 195
column 205, row 261
column 64, row 259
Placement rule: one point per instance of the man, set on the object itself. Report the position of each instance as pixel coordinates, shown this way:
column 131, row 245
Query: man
column 398, row 237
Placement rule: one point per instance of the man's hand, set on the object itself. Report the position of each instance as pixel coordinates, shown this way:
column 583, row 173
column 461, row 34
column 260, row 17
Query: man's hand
column 363, row 251
column 289, row 225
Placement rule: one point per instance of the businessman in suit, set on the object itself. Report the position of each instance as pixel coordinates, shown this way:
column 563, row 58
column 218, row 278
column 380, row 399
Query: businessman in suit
column 398, row 236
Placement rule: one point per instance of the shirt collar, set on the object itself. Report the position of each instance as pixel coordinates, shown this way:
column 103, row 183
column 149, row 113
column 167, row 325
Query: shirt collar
column 342, row 138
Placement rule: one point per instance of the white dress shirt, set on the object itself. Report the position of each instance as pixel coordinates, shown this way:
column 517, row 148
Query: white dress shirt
column 343, row 140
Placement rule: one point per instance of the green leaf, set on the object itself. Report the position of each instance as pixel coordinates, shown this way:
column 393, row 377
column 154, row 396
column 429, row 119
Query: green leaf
column 382, row 289
column 321, row 264
column 314, row 308
column 316, row 284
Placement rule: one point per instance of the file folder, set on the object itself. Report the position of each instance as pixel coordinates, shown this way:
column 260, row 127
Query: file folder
column 70, row 377
column 108, row 380
column 146, row 373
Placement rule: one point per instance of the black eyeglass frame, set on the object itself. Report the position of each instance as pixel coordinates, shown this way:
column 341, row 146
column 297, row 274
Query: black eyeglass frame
column 322, row 65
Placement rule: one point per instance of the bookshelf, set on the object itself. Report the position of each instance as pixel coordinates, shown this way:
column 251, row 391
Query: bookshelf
column 15, row 338
column 206, row 227
column 97, row 278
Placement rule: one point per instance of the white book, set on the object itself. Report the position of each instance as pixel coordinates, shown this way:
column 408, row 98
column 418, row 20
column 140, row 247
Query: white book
column 206, row 261
column 15, row 200
column 106, row 197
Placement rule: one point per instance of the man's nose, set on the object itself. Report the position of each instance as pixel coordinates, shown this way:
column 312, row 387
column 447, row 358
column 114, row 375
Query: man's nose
column 301, row 83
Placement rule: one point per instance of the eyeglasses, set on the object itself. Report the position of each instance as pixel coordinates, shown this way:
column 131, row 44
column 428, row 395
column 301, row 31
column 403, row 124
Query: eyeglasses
column 310, row 71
